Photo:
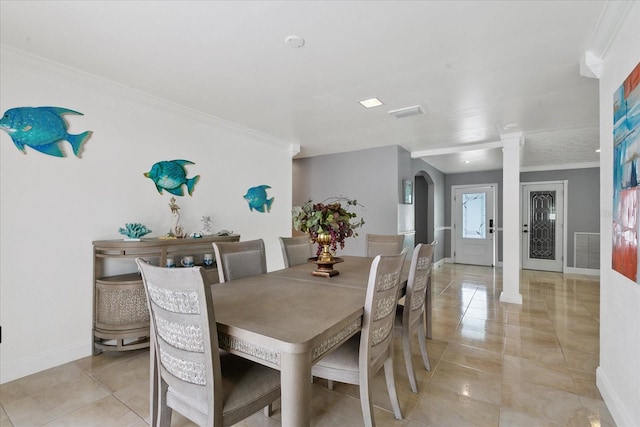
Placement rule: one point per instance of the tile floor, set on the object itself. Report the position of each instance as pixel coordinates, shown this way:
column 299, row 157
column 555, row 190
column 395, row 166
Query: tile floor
column 492, row 364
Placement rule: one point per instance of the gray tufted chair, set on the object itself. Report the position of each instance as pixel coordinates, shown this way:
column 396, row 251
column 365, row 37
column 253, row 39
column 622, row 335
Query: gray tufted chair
column 382, row 244
column 411, row 317
column 188, row 372
column 296, row 250
column 240, row 259
column 364, row 354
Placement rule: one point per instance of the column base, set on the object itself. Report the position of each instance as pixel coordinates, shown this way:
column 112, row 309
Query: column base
column 512, row 299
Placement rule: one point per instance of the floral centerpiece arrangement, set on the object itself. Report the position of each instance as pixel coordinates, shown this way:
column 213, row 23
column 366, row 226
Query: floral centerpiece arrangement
column 330, row 217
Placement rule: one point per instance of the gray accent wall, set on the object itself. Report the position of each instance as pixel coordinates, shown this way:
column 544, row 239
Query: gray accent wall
column 369, row 176
column 374, row 177
column 583, row 198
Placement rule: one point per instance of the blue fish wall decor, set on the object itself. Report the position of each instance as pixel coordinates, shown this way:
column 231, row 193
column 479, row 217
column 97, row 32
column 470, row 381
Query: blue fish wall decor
column 257, row 198
column 42, row 128
column 171, row 175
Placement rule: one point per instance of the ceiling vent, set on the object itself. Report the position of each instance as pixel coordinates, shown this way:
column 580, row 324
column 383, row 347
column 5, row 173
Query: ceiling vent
column 406, row 112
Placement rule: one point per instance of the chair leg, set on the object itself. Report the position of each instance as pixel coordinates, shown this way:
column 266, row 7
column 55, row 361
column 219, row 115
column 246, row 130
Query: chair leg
column 423, row 346
column 366, row 403
column 267, row 410
column 164, row 412
column 391, row 387
column 406, row 349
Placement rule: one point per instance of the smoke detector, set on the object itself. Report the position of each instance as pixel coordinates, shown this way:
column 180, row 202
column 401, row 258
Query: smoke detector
column 294, row 41
column 406, row 112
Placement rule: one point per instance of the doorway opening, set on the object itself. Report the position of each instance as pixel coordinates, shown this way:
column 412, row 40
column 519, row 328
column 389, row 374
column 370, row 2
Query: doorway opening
column 473, row 224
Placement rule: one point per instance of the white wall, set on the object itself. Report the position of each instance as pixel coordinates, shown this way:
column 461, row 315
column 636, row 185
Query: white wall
column 53, row 208
column 618, row 375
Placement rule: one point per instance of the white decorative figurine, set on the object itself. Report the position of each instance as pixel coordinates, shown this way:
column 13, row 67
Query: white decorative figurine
column 207, row 226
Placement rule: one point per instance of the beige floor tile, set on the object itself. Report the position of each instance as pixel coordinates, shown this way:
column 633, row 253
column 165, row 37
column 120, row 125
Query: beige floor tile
column 47, row 395
column 580, row 342
column 539, row 401
column 535, row 320
column 496, row 315
column 581, row 361
column 510, row 418
column 4, row 419
column 534, row 335
column 519, row 370
column 108, row 358
column 544, row 352
column 442, row 407
column 128, row 381
column 482, row 325
column 597, row 413
column 483, row 340
column 468, row 382
column 106, row 412
column 474, row 358
column 586, row 384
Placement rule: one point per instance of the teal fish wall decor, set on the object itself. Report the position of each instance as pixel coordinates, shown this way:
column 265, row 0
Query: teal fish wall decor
column 257, row 198
column 171, row 175
column 42, row 128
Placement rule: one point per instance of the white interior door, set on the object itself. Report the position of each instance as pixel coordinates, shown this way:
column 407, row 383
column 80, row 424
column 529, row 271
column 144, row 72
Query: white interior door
column 473, row 225
column 543, row 226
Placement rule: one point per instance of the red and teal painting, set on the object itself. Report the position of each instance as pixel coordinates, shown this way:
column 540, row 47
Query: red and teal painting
column 626, row 152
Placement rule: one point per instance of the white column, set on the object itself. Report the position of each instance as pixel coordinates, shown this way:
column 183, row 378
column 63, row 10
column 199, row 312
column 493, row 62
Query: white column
column 511, row 218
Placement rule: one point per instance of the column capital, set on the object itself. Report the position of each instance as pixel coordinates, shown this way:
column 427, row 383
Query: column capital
column 512, row 140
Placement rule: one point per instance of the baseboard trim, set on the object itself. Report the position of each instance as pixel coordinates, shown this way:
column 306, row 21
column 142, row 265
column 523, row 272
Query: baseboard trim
column 42, row 361
column 611, row 399
column 585, row 271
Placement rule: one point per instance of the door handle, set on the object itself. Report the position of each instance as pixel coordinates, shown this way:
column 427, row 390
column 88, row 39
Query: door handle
column 525, row 230
column 490, row 226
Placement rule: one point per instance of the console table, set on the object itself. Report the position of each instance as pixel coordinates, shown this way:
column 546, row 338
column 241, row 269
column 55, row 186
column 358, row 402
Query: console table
column 120, row 313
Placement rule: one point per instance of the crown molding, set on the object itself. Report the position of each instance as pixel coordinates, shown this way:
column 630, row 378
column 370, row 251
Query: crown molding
column 16, row 56
column 611, row 19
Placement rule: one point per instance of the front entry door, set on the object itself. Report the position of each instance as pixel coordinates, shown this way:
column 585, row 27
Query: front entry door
column 542, row 226
column 473, row 225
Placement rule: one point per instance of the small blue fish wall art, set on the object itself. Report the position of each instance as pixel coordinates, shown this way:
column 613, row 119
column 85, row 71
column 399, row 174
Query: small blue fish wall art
column 42, row 128
column 171, row 175
column 257, row 198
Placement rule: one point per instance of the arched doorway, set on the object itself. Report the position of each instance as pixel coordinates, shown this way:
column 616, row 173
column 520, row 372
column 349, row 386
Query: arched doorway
column 424, row 208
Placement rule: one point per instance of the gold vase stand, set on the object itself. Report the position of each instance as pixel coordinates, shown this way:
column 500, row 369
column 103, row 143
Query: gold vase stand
column 325, row 267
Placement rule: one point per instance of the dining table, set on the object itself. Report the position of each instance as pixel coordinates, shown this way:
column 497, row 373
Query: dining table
column 289, row 319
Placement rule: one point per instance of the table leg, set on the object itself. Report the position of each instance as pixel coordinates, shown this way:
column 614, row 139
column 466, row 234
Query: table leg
column 295, row 379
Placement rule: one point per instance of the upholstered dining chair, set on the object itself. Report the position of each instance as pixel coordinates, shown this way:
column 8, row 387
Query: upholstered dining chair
column 410, row 318
column 240, row 259
column 296, row 250
column 188, row 372
column 384, row 244
column 358, row 359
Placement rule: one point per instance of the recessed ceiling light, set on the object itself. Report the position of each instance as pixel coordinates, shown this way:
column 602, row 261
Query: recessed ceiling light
column 467, row 161
column 598, row 150
column 371, row 102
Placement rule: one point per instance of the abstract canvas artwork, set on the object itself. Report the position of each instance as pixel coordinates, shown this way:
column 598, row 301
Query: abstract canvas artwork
column 626, row 152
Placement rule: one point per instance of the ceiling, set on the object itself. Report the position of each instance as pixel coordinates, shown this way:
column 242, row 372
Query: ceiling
column 478, row 69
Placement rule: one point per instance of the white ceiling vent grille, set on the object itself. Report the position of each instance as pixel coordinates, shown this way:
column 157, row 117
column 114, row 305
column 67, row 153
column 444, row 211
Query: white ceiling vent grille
column 406, row 112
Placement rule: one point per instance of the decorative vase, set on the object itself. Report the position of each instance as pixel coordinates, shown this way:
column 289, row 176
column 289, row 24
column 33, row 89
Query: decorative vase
column 325, row 240
column 325, row 260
